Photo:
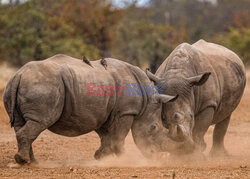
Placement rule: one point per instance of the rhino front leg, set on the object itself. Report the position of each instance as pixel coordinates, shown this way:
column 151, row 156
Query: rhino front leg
column 220, row 129
column 113, row 137
column 202, row 123
column 25, row 137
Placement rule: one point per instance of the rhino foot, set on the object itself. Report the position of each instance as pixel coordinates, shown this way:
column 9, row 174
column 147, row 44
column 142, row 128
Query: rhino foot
column 202, row 146
column 34, row 161
column 219, row 153
column 20, row 160
column 101, row 153
column 98, row 155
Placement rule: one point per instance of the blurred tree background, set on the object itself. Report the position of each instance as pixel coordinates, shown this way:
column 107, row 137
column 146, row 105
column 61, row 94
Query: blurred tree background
column 140, row 34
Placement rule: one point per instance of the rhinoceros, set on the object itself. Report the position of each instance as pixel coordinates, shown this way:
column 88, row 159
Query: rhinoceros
column 210, row 80
column 71, row 98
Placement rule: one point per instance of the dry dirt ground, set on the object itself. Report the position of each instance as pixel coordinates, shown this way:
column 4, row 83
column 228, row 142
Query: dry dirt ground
column 61, row 157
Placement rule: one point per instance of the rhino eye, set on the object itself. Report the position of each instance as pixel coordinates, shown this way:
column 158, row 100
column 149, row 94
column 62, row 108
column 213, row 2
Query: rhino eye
column 153, row 128
column 177, row 116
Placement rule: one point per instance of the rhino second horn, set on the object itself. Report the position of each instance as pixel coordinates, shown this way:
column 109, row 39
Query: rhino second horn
column 152, row 77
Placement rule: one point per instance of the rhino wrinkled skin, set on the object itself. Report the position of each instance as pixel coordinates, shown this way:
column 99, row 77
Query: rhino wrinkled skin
column 210, row 81
column 52, row 94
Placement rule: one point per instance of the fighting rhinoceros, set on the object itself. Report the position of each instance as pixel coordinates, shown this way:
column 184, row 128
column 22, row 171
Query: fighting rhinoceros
column 210, row 80
column 71, row 98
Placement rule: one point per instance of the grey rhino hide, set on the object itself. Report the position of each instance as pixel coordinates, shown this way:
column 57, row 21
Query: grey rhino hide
column 55, row 94
column 210, row 80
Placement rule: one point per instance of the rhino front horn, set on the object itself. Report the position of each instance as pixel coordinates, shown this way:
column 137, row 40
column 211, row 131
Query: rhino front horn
column 152, row 77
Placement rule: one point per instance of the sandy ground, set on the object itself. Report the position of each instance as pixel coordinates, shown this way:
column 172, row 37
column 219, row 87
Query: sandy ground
column 61, row 157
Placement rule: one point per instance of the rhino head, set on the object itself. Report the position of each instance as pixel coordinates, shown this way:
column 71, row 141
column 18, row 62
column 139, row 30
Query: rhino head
column 178, row 116
column 148, row 132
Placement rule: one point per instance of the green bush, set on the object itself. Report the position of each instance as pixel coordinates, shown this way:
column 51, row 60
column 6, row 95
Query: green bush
column 38, row 29
column 238, row 40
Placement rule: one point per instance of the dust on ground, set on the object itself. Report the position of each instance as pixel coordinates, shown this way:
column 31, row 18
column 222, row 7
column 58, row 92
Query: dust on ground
column 61, row 157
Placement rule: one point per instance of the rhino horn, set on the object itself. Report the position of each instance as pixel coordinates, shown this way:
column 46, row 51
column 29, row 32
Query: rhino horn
column 153, row 77
column 163, row 98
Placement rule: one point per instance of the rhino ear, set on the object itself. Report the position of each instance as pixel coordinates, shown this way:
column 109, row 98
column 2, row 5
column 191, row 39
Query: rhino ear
column 199, row 79
column 162, row 98
column 153, row 77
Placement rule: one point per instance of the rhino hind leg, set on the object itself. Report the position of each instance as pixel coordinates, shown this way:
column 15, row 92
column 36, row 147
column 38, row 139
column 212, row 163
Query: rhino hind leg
column 113, row 137
column 218, row 148
column 31, row 154
column 25, row 137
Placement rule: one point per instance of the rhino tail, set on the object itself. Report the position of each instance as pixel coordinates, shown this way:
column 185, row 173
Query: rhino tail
column 14, row 87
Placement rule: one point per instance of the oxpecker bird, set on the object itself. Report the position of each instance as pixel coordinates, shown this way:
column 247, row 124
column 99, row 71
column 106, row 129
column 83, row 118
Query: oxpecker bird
column 104, row 63
column 85, row 60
